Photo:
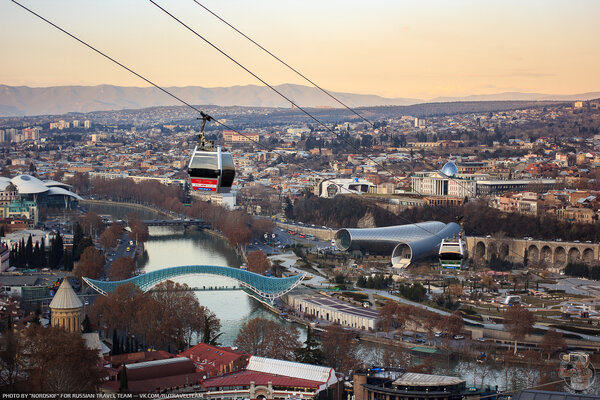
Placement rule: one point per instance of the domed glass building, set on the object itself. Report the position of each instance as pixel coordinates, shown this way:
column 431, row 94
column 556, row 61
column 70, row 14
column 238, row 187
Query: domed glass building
column 450, row 169
column 21, row 195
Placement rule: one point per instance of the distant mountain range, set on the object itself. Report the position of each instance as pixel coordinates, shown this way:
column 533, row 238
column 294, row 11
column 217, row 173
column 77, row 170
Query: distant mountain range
column 23, row 100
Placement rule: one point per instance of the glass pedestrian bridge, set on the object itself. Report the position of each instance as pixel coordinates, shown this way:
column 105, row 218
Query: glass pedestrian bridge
column 268, row 288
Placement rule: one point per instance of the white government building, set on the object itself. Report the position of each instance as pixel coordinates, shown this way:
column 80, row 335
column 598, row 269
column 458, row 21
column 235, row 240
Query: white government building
column 334, row 310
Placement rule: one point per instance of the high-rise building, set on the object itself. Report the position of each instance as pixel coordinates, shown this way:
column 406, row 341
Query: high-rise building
column 420, row 123
column 31, row 133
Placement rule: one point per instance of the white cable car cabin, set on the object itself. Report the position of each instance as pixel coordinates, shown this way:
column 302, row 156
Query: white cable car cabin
column 452, row 253
column 211, row 170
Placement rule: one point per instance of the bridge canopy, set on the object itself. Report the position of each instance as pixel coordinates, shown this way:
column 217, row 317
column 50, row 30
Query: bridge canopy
column 269, row 288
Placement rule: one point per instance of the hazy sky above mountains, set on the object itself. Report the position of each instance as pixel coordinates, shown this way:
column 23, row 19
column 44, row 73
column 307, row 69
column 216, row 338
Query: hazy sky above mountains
column 396, row 48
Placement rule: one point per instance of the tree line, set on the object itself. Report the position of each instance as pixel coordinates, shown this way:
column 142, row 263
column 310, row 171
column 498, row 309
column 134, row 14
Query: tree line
column 47, row 360
column 582, row 270
column 238, row 227
column 476, row 216
column 25, row 254
column 335, row 347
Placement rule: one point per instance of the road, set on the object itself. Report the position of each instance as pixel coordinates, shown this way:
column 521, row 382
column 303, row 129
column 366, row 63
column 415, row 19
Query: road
column 575, row 286
column 497, row 327
column 120, row 251
column 275, row 245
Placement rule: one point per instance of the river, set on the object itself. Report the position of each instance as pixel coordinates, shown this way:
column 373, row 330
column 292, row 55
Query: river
column 174, row 246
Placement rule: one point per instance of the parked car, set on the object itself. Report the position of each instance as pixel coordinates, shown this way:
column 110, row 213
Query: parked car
column 458, row 337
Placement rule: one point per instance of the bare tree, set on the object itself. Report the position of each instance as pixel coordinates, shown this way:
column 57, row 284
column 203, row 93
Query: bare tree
column 121, row 308
column 122, row 268
column 258, row 262
column 139, row 230
column 90, row 264
column 552, row 342
column 392, row 316
column 59, row 361
column 170, row 315
column 108, row 238
column 92, row 224
column 396, row 356
column 451, row 324
column 518, row 321
column 482, row 369
column 10, row 364
column 266, row 338
column 339, row 349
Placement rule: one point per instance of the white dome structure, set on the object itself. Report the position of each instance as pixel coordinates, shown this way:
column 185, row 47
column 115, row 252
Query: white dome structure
column 59, row 191
column 28, row 184
column 449, row 169
column 4, row 182
column 48, row 193
column 53, row 183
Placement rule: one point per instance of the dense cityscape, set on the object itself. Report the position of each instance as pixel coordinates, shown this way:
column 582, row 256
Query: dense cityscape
column 181, row 219
column 521, row 185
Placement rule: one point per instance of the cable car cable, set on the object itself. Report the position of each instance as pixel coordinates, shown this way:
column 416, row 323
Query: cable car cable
column 270, row 86
column 166, row 91
column 299, row 74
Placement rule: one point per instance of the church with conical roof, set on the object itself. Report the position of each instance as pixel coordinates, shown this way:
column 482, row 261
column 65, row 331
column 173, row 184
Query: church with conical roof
column 66, row 308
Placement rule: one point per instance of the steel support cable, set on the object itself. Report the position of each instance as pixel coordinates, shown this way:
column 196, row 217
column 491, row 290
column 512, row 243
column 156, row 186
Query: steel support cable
column 292, row 69
column 190, row 105
column 288, row 66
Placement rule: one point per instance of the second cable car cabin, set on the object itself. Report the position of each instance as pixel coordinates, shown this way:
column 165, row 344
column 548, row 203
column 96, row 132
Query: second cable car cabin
column 452, row 253
column 211, row 170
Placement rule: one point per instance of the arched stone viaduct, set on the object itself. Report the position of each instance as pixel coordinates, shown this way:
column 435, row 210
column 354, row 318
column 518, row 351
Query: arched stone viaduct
column 552, row 253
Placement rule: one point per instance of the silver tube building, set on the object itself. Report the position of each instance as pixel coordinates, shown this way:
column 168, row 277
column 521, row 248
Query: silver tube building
column 405, row 243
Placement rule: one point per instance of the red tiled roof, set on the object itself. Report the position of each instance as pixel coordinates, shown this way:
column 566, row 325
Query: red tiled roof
column 221, row 355
column 207, row 357
column 243, row 378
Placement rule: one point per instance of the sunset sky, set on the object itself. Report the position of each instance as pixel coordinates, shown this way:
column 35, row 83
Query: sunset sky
column 396, row 48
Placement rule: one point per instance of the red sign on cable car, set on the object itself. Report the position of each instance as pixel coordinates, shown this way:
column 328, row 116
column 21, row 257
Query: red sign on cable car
column 209, row 185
